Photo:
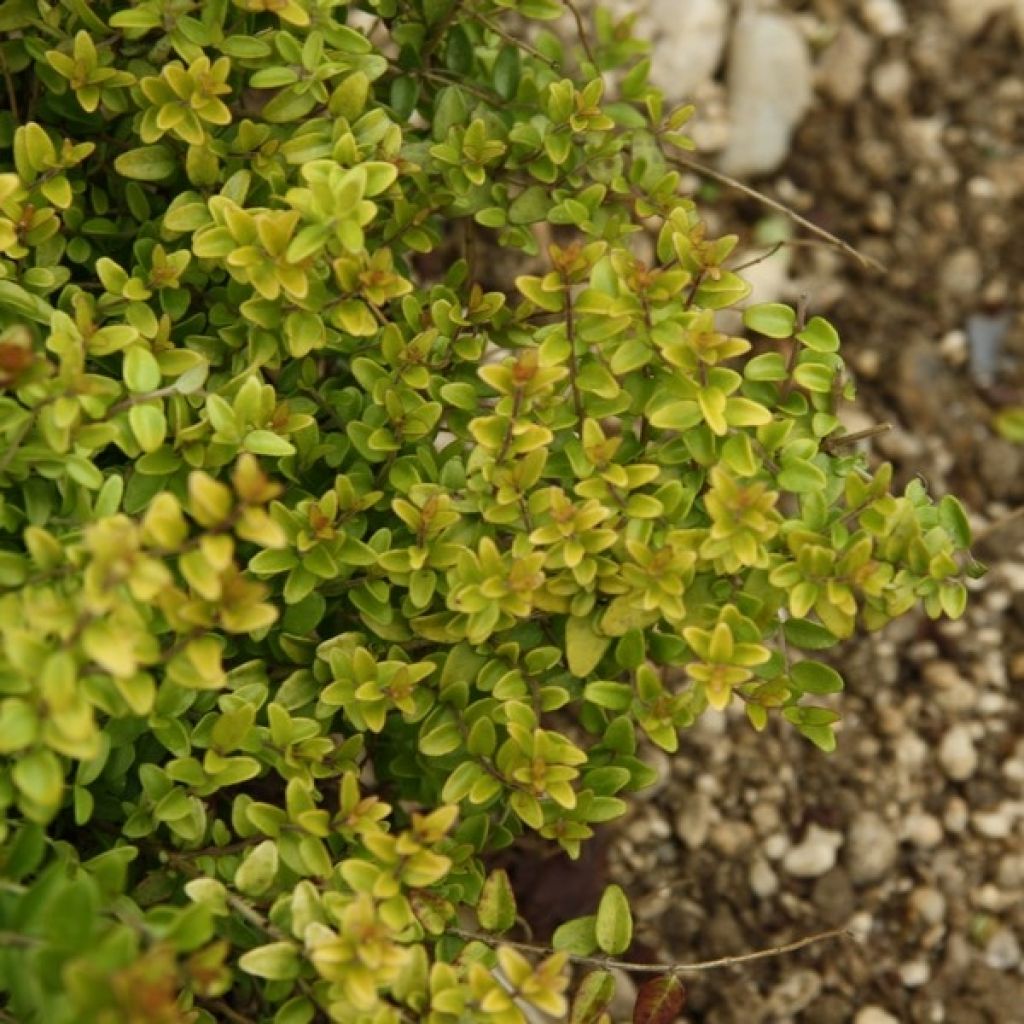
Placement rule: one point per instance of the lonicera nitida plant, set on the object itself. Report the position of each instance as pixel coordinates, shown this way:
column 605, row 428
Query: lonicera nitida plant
column 326, row 572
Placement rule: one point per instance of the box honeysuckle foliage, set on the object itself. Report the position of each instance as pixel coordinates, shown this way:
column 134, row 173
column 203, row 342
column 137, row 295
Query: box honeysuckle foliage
column 325, row 575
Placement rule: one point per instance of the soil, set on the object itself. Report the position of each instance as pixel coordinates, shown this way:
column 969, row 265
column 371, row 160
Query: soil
column 911, row 836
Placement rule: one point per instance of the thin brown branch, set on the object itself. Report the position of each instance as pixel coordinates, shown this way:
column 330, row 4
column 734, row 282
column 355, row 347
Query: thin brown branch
column 844, row 440
column 12, row 96
column 753, row 193
column 227, row 1013
column 582, row 32
column 638, row 968
column 759, row 259
column 570, row 334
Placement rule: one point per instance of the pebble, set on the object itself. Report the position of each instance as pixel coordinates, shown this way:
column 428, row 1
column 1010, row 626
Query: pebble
column 843, row 67
column 969, row 16
column 961, row 273
column 884, row 17
column 794, row 993
column 874, row 1015
column 834, row 897
column 763, row 880
column 689, row 49
column 890, row 82
column 997, row 824
column 954, row 817
column 730, row 838
column 922, row 830
column 694, row 821
column 769, row 91
column 814, row 855
column 1002, row 953
column 928, row 904
column 1010, row 873
column 914, row 973
column 957, row 754
column 871, row 848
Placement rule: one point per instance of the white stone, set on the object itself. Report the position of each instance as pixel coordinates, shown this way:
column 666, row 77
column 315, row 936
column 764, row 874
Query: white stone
column 954, row 817
column 1003, row 950
column 871, row 848
column 814, row 855
column 957, row 754
column 922, row 830
column 763, row 880
column 843, row 67
column 890, row 82
column 769, row 91
column 694, row 821
column 915, row 973
column 884, row 17
column 874, row 1015
column 929, row 904
column 689, row 45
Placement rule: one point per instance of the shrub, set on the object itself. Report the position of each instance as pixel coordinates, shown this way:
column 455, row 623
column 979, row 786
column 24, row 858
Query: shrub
column 327, row 571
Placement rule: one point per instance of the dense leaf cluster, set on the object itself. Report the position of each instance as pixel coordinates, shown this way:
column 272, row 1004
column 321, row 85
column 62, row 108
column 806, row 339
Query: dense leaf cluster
column 326, row 573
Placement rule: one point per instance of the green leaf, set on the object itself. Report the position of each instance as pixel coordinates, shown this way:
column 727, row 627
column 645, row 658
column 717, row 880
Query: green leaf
column 815, row 677
column 496, row 908
column 276, row 961
column 584, row 646
column 1009, row 423
column 771, row 319
column 507, row 72
column 141, row 371
column 149, row 425
column 819, row 335
column 808, row 636
column 613, row 927
column 594, row 995
column 954, row 519
column 147, row 163
column 266, row 442
column 576, row 936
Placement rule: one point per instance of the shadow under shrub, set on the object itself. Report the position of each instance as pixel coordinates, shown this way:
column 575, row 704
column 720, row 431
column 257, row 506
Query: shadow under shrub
column 322, row 581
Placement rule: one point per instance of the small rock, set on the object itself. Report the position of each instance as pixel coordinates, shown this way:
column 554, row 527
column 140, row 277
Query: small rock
column 890, row 82
column 731, row 837
column 954, row 817
column 961, row 273
column 984, row 344
column 1002, row 953
column 871, row 849
column 884, row 17
column 834, row 898
column 694, row 821
column 997, row 824
column 928, row 904
column 769, row 91
column 795, row 993
column 957, row 755
column 922, row 830
column 914, row 973
column 689, row 47
column 814, row 855
column 874, row 1015
column 844, row 64
column 763, row 880
column 1010, row 873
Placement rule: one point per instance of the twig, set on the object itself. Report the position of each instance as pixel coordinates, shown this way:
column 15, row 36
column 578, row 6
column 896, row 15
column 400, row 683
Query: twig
column 759, row 259
column 725, row 179
column 858, row 435
column 12, row 96
column 582, row 31
column 438, row 34
column 228, row 1013
column 570, row 334
column 636, row 968
column 19, row 436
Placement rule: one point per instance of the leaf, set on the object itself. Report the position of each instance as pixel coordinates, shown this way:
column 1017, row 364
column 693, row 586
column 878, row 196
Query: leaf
column 266, row 442
column 954, row 519
column 584, row 646
column 593, row 997
column 815, row 677
column 819, row 335
column 808, row 636
column 496, row 908
column 147, row 163
column 772, row 319
column 1009, row 423
column 613, row 927
column 149, row 425
column 576, row 936
column 507, row 72
column 276, row 961
column 659, row 1001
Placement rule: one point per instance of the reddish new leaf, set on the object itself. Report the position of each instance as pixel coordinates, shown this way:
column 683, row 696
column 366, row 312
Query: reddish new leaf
column 659, row 1000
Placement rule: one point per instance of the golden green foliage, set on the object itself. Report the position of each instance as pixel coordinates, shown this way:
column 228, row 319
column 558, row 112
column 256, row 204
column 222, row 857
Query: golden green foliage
column 325, row 575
